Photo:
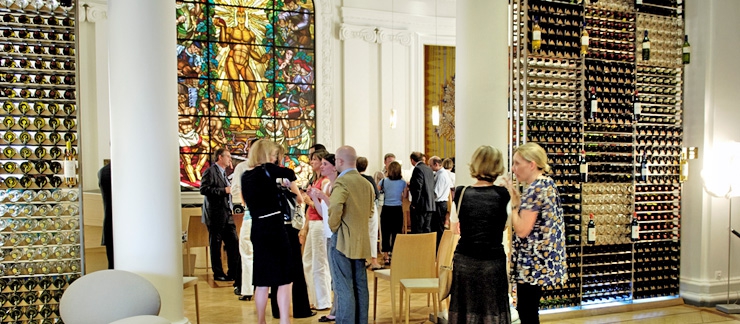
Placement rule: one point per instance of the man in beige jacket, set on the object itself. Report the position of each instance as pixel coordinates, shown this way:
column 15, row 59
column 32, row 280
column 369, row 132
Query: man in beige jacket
column 351, row 206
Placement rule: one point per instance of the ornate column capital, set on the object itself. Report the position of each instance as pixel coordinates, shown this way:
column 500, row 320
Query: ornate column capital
column 94, row 12
column 403, row 37
column 368, row 34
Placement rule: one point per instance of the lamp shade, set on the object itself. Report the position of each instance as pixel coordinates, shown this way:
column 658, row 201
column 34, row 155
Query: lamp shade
column 721, row 173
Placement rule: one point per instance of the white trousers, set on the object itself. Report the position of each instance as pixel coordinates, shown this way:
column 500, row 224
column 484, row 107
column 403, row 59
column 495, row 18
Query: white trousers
column 316, row 266
column 374, row 233
column 245, row 249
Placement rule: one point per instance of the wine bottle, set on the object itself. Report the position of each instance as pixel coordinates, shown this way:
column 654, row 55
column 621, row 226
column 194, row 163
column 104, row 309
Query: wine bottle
column 686, row 50
column 536, row 35
column 637, row 107
column 644, row 170
column 635, row 228
column 684, row 166
column 591, row 236
column 646, row 47
column 70, row 166
column 594, row 104
column 584, row 167
column 584, row 40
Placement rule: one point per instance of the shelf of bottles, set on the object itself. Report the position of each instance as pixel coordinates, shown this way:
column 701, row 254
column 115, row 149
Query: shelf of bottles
column 582, row 89
column 40, row 248
column 658, row 142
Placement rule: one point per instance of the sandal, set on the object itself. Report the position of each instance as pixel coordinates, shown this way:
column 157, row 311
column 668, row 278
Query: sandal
column 325, row 319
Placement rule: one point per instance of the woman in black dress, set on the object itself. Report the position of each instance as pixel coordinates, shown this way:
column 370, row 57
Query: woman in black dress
column 272, row 261
column 479, row 285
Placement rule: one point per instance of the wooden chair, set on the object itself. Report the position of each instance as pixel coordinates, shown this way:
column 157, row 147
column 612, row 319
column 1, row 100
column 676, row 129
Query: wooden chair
column 192, row 282
column 413, row 257
column 197, row 237
column 430, row 286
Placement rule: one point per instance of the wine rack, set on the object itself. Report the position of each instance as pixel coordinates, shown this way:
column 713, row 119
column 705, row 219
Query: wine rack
column 40, row 232
column 599, row 111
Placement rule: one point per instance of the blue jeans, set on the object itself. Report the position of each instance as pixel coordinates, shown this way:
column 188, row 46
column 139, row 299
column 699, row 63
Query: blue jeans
column 350, row 287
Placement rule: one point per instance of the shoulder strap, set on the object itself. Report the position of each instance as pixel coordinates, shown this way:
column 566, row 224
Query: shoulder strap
column 459, row 202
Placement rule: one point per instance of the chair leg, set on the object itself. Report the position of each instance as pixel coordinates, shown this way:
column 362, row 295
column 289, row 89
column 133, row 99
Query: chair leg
column 187, row 256
column 393, row 304
column 208, row 262
column 428, row 300
column 408, row 306
column 375, row 297
column 197, row 310
column 434, row 295
column 401, row 300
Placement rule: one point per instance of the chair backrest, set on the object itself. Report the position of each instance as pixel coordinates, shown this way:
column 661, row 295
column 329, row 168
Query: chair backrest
column 108, row 295
column 186, row 213
column 197, row 232
column 413, row 257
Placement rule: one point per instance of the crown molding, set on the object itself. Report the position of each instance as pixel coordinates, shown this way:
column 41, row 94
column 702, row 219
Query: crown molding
column 376, row 34
column 443, row 26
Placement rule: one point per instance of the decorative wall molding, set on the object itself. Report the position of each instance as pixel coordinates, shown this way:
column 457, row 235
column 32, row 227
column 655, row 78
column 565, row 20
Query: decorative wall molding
column 93, row 12
column 376, row 35
column 368, row 34
column 443, row 26
column 404, row 38
column 325, row 116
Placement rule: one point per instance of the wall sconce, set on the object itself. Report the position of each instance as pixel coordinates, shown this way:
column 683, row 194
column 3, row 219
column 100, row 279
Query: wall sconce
column 435, row 115
column 393, row 118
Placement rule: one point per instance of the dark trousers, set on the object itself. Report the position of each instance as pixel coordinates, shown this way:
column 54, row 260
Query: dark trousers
column 227, row 236
column 391, row 224
column 528, row 302
column 109, row 253
column 421, row 221
column 301, row 305
column 438, row 220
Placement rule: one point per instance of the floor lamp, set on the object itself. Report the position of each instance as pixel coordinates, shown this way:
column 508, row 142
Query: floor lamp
column 718, row 183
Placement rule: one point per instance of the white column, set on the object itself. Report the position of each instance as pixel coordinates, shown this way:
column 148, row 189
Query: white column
column 481, row 64
column 146, row 197
column 710, row 123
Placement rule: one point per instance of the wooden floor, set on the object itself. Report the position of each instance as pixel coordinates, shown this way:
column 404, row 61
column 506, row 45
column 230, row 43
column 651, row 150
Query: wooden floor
column 220, row 306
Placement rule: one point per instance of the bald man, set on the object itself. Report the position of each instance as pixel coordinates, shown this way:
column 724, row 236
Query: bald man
column 350, row 208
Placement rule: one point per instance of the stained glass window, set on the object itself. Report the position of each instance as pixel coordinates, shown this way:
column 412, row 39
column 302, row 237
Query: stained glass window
column 245, row 70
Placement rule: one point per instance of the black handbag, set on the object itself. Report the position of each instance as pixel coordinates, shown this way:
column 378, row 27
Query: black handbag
column 286, row 200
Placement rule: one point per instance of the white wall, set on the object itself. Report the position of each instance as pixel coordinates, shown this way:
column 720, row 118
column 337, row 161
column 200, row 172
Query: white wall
column 711, row 120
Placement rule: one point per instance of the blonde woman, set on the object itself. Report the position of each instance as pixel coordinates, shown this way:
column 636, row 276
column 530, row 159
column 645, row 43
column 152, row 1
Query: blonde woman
column 272, row 250
column 479, row 286
column 538, row 244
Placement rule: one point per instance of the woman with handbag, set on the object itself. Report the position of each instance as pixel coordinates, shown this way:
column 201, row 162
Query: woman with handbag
column 272, row 250
column 299, row 290
column 478, row 293
column 538, row 245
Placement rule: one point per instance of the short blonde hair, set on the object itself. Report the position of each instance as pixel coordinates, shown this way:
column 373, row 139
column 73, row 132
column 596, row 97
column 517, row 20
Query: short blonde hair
column 532, row 152
column 261, row 152
column 487, row 163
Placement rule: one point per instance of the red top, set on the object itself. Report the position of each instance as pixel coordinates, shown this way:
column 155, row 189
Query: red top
column 313, row 214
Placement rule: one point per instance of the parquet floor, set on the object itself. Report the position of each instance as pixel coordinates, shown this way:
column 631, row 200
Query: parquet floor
column 220, row 306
